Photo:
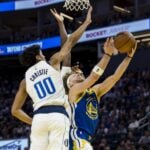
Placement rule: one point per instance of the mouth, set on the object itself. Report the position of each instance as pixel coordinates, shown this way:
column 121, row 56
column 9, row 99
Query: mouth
column 80, row 80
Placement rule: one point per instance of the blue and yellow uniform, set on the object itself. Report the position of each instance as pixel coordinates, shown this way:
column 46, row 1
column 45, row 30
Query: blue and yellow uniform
column 84, row 120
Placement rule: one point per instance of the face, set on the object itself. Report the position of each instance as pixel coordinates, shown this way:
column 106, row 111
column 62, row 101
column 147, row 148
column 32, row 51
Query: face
column 75, row 78
column 40, row 56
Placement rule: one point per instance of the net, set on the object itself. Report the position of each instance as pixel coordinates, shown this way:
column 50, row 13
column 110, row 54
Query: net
column 76, row 5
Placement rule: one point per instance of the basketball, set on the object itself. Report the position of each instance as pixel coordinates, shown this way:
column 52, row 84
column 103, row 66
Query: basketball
column 124, row 42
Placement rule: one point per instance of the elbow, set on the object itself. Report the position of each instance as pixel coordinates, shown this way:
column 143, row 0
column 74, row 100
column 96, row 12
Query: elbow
column 114, row 79
column 14, row 112
column 71, row 40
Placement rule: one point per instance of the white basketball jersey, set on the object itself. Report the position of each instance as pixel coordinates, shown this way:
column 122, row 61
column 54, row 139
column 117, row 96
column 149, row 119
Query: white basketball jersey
column 64, row 71
column 44, row 85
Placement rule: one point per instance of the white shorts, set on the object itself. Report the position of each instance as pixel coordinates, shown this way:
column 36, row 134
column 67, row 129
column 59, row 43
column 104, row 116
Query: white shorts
column 50, row 132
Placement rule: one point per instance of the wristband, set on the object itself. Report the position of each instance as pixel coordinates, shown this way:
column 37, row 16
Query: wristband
column 108, row 54
column 99, row 71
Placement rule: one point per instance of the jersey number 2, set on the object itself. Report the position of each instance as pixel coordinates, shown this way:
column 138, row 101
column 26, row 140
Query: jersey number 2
column 44, row 88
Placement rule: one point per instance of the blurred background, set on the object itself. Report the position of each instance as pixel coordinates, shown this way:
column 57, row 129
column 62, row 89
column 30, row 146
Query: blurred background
column 124, row 111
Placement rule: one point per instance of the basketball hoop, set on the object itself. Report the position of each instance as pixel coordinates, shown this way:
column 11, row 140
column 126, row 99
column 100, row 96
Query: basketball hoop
column 76, row 5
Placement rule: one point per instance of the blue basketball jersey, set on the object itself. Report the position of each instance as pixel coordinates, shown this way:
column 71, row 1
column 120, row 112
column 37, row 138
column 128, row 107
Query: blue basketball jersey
column 85, row 116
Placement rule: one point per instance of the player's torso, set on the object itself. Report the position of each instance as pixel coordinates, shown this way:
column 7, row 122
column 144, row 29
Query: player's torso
column 44, row 85
column 85, row 116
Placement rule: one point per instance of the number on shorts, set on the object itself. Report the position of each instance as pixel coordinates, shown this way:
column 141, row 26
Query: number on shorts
column 44, row 88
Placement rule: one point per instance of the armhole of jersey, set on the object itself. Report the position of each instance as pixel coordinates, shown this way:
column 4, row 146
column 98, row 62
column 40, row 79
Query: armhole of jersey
column 80, row 97
column 53, row 67
column 98, row 98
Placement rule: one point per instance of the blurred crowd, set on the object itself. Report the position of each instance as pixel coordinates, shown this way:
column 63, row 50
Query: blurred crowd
column 121, row 126
column 121, row 112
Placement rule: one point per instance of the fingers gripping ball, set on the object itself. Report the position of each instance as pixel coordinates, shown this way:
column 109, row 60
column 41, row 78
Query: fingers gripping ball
column 124, row 42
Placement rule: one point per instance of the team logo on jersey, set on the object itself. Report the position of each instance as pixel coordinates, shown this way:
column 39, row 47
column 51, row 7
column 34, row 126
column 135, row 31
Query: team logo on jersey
column 92, row 109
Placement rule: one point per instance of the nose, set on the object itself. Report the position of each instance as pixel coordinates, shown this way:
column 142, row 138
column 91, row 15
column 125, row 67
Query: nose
column 78, row 75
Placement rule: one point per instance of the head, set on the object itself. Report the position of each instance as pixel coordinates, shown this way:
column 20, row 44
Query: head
column 31, row 55
column 76, row 76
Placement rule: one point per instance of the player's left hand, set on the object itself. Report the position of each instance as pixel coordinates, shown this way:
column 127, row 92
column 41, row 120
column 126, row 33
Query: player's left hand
column 88, row 16
column 57, row 16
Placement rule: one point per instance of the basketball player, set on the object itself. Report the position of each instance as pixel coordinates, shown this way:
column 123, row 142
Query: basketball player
column 66, row 64
column 85, row 103
column 43, row 83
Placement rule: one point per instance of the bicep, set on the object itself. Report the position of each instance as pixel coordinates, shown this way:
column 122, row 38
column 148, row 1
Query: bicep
column 20, row 97
column 58, row 57
column 105, row 86
column 55, row 61
column 55, row 58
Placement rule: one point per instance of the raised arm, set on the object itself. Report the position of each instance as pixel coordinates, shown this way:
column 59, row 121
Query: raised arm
column 19, row 101
column 95, row 74
column 62, row 29
column 57, row 58
column 107, row 84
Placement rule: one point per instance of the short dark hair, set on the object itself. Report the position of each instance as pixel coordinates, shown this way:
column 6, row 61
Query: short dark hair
column 28, row 56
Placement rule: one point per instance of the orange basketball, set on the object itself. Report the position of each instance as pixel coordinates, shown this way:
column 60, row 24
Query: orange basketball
column 124, row 42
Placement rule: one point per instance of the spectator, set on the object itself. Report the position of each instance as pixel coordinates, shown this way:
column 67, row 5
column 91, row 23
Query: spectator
column 145, row 139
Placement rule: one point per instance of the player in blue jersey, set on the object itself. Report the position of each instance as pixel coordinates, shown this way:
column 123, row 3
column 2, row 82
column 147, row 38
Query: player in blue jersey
column 85, row 102
column 67, row 61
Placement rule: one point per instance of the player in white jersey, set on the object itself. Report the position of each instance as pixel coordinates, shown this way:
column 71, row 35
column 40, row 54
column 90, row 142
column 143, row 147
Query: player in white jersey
column 43, row 83
column 66, row 63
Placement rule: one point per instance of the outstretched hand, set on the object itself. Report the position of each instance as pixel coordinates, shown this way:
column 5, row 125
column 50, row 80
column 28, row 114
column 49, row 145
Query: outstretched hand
column 57, row 16
column 88, row 16
column 109, row 47
column 131, row 54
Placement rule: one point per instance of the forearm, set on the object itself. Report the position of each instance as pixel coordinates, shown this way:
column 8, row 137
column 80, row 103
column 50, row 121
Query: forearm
column 63, row 32
column 122, row 68
column 21, row 115
column 75, row 36
column 104, row 62
column 72, row 39
column 107, row 84
column 97, row 72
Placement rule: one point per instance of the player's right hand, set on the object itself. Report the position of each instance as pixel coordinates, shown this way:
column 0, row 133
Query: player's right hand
column 88, row 17
column 57, row 16
column 131, row 54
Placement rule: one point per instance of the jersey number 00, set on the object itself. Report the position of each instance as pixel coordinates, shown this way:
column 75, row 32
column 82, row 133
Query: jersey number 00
column 44, row 88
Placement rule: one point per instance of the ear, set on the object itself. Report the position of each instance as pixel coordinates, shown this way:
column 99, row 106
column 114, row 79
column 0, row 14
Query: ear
column 38, row 57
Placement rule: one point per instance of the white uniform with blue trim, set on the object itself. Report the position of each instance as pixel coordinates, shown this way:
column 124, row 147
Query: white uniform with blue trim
column 44, row 85
column 50, row 131
column 65, row 70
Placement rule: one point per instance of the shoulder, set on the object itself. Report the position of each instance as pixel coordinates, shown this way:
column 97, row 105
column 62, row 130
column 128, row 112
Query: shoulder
column 22, row 84
column 76, row 98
